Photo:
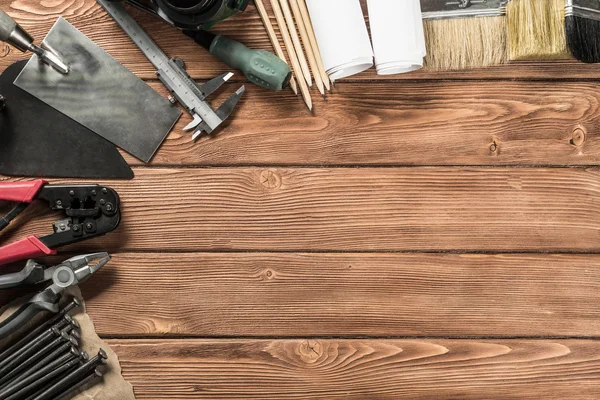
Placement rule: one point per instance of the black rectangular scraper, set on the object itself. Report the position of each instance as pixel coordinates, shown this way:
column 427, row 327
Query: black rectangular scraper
column 38, row 141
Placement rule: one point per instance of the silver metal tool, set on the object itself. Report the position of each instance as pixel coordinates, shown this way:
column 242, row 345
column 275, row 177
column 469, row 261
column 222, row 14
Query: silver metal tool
column 442, row 9
column 172, row 74
column 13, row 34
column 69, row 273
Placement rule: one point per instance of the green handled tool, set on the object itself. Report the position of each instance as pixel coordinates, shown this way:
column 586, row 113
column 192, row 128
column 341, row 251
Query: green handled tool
column 261, row 67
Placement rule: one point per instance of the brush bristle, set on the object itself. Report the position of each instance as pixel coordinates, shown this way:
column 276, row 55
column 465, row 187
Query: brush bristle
column 536, row 30
column 460, row 43
column 583, row 38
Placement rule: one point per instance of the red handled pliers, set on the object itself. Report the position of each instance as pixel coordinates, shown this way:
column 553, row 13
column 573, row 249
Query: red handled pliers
column 90, row 210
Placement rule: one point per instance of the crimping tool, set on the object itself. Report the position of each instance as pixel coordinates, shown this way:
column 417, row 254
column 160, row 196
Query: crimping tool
column 64, row 275
column 91, row 211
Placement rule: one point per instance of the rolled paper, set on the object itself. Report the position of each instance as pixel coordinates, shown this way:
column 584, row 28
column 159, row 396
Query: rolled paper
column 342, row 36
column 397, row 33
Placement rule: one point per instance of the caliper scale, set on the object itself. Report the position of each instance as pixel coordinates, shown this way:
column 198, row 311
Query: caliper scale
column 171, row 72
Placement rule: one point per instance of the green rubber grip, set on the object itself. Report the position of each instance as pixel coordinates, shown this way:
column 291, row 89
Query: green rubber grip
column 261, row 67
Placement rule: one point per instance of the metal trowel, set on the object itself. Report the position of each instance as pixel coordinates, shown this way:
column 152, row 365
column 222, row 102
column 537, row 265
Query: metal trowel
column 13, row 34
column 38, row 141
column 100, row 93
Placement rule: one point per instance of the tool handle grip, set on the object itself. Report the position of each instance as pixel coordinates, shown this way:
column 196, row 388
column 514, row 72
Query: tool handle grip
column 19, row 318
column 32, row 273
column 20, row 192
column 261, row 67
column 29, row 247
column 11, row 280
column 7, row 26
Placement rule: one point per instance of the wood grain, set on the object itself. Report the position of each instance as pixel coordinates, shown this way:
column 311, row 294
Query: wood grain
column 37, row 17
column 265, row 240
column 350, row 209
column 344, row 295
column 361, row 369
column 406, row 123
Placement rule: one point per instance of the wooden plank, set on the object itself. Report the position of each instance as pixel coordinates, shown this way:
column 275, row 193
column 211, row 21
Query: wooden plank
column 404, row 123
column 37, row 17
column 350, row 209
column 360, row 369
column 344, row 295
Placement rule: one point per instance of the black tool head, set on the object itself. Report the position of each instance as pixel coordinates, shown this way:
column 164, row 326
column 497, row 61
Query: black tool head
column 38, row 141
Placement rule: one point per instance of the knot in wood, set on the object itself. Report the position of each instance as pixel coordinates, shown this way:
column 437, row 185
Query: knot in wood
column 493, row 147
column 310, row 351
column 578, row 136
column 269, row 274
column 4, row 50
column 270, row 179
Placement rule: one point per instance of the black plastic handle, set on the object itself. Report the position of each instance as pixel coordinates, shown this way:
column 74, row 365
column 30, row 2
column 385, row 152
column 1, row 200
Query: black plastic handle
column 32, row 273
column 23, row 315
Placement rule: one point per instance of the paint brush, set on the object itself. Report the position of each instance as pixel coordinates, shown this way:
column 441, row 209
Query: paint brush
column 582, row 25
column 536, row 29
column 464, row 34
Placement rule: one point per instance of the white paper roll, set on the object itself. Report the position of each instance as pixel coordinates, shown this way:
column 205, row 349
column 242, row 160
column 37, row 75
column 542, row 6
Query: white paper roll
column 397, row 33
column 342, row 36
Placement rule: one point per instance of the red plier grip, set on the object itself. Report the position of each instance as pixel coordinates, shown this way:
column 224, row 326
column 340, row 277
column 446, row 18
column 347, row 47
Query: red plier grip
column 30, row 247
column 20, row 192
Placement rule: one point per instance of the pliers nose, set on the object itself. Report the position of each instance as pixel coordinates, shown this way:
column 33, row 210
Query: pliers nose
column 103, row 259
column 82, row 269
column 88, row 259
column 64, row 275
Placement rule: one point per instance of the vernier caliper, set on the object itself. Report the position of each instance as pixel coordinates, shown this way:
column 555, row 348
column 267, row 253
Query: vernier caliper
column 171, row 72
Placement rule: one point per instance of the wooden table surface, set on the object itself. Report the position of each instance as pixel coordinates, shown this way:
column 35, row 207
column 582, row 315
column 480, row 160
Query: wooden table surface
column 421, row 236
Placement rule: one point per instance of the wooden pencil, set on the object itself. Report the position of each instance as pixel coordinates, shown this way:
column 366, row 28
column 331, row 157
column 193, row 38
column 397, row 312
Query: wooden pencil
column 312, row 61
column 313, row 42
column 289, row 19
column 273, row 37
column 287, row 40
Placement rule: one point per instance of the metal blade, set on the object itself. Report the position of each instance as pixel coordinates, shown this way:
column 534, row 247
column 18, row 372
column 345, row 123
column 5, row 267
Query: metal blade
column 223, row 112
column 214, row 84
column 203, row 127
column 195, row 122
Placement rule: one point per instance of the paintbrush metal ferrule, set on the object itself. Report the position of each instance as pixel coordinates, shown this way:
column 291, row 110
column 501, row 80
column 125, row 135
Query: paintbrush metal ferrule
column 442, row 9
column 589, row 9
